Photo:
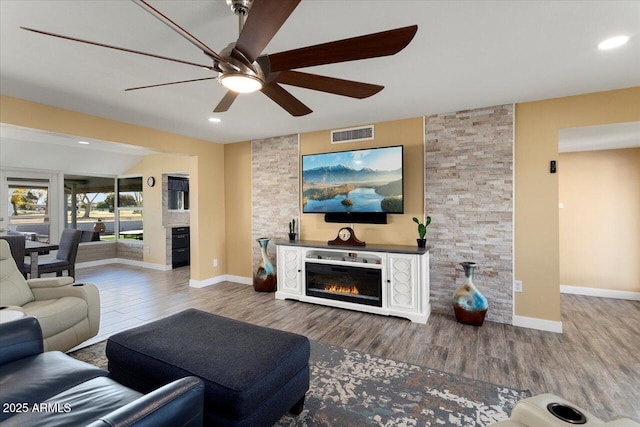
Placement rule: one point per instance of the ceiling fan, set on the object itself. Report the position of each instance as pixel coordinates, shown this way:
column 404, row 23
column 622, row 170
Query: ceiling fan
column 242, row 69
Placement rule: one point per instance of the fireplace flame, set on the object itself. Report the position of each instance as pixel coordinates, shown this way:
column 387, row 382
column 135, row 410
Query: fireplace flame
column 352, row 290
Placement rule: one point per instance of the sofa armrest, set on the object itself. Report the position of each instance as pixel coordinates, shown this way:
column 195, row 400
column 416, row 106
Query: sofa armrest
column 179, row 403
column 49, row 282
column 19, row 339
column 87, row 291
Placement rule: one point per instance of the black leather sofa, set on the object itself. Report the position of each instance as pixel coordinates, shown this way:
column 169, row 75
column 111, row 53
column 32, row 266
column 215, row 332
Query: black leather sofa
column 52, row 389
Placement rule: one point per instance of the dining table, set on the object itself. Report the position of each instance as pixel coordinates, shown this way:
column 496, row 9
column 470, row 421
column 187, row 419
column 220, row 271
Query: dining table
column 33, row 249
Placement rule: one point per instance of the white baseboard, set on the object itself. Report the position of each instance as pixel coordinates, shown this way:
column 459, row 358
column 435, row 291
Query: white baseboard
column 535, row 323
column 143, row 264
column 193, row 283
column 240, row 279
column 219, row 279
column 125, row 261
column 207, row 282
column 96, row 263
column 597, row 292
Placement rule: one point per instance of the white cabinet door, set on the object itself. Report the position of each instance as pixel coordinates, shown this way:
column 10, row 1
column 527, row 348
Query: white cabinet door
column 289, row 270
column 403, row 282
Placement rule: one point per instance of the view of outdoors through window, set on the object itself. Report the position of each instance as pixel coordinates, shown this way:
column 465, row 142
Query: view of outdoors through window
column 94, row 210
column 29, row 209
column 130, row 208
column 89, row 205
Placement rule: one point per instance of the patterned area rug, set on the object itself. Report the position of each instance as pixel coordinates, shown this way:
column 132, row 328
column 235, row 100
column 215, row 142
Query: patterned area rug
column 350, row 388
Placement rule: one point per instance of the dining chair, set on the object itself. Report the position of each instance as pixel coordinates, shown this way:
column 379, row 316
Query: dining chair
column 16, row 245
column 65, row 259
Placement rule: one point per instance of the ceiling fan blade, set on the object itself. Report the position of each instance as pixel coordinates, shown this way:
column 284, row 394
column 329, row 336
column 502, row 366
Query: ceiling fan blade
column 170, row 83
column 226, row 102
column 342, row 87
column 178, row 29
column 265, row 19
column 209, row 67
column 370, row 46
column 284, row 99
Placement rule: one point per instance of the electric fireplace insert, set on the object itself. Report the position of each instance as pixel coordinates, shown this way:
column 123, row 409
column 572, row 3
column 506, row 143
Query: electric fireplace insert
column 357, row 285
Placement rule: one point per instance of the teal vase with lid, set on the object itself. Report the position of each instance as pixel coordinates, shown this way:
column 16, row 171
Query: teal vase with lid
column 469, row 305
column 264, row 278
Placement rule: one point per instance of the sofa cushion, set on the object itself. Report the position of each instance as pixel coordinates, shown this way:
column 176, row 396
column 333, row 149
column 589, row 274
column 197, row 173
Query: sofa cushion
column 57, row 315
column 14, row 289
column 35, row 379
column 77, row 406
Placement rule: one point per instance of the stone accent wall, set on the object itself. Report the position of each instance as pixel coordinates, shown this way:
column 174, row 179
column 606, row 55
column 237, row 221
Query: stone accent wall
column 275, row 190
column 469, row 196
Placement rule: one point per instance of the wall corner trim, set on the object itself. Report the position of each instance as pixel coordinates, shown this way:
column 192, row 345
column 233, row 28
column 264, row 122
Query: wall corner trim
column 602, row 293
column 535, row 323
column 219, row 279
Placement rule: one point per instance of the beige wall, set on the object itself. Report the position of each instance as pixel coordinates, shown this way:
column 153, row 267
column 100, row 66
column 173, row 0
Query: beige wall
column 536, row 190
column 154, row 232
column 600, row 219
column 206, row 166
column 208, row 212
column 400, row 230
column 237, row 179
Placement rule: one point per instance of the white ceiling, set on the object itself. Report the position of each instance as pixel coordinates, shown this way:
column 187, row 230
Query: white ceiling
column 466, row 54
column 604, row 137
column 23, row 148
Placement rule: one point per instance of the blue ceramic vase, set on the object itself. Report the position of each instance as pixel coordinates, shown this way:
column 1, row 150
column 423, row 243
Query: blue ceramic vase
column 264, row 279
column 469, row 305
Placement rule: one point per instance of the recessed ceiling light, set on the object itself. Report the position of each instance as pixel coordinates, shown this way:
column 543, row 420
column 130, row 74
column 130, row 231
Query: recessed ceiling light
column 84, row 142
column 214, row 120
column 613, row 42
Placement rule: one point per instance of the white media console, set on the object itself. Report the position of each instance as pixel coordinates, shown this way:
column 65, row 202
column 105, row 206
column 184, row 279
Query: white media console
column 380, row 279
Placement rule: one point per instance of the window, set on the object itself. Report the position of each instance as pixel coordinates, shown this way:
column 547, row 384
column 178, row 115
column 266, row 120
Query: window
column 129, row 208
column 28, row 203
column 89, row 206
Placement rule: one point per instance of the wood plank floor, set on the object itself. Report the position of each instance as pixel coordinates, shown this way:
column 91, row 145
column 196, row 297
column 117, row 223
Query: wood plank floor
column 595, row 363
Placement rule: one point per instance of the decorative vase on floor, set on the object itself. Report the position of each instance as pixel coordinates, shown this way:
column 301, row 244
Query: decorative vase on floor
column 469, row 305
column 264, row 279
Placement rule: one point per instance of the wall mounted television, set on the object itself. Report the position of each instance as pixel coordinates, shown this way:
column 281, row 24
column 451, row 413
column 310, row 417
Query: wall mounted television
column 366, row 181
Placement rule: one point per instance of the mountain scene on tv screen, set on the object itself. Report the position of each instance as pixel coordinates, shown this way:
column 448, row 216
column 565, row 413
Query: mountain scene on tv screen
column 342, row 188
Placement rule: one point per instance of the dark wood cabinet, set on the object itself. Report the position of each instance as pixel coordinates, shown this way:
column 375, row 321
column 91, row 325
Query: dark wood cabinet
column 180, row 241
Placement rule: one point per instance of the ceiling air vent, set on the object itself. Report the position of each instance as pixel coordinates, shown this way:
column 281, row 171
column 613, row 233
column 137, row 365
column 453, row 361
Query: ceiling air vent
column 353, row 134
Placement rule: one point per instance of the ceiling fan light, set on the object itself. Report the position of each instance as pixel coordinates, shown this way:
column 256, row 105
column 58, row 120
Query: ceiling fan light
column 240, row 83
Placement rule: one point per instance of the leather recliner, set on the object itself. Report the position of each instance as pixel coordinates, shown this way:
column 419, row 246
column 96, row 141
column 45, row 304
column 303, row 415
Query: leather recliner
column 69, row 313
column 548, row 410
column 52, row 389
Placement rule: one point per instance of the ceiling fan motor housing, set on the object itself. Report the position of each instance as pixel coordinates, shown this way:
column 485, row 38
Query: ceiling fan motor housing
column 238, row 64
column 240, row 7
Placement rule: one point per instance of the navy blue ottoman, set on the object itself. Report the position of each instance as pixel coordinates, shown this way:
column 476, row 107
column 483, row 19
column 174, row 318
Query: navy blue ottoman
column 253, row 375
